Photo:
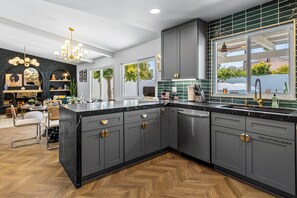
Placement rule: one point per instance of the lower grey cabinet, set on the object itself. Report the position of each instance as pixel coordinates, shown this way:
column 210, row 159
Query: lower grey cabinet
column 228, row 151
column 152, row 136
column 100, row 152
column 134, row 141
column 173, row 127
column 113, row 147
column 165, row 123
column 92, row 152
column 271, row 161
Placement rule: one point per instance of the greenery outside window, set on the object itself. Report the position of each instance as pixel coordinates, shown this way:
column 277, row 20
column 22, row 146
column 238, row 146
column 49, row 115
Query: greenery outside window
column 137, row 76
column 102, row 84
column 265, row 54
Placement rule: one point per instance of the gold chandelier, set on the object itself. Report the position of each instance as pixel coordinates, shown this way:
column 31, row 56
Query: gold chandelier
column 26, row 61
column 71, row 53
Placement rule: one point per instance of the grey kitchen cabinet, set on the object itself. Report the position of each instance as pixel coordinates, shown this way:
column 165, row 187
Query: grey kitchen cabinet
column 192, row 50
column 260, row 149
column 173, row 127
column 134, row 141
column 184, row 51
column 165, row 123
column 143, row 135
column 152, row 136
column 169, row 52
column 271, row 161
column 114, row 146
column 92, row 152
column 228, row 150
column 100, row 152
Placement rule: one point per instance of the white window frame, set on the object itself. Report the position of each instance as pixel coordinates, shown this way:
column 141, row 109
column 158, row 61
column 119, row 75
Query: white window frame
column 250, row 93
column 137, row 78
column 101, row 76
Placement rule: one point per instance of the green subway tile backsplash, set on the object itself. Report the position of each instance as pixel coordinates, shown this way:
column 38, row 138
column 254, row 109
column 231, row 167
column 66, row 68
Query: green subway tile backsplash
column 266, row 14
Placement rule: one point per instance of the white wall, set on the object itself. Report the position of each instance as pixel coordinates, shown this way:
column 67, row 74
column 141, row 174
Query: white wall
column 145, row 50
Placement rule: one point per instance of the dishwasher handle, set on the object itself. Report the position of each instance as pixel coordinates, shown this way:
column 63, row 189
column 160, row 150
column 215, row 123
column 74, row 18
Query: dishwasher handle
column 193, row 114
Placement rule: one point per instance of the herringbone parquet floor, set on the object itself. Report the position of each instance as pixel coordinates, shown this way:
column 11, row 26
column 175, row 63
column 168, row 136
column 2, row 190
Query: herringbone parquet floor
column 35, row 172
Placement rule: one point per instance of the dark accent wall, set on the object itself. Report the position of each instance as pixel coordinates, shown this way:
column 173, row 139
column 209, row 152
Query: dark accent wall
column 45, row 69
column 270, row 13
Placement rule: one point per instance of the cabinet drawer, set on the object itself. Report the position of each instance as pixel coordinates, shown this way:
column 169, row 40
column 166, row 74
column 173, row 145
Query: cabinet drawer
column 230, row 121
column 279, row 129
column 138, row 116
column 101, row 121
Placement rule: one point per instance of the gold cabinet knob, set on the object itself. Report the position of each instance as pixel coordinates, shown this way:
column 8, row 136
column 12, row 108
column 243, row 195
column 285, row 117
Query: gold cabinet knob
column 102, row 134
column 144, row 125
column 242, row 137
column 104, row 122
column 177, row 75
column 106, row 133
column 247, row 138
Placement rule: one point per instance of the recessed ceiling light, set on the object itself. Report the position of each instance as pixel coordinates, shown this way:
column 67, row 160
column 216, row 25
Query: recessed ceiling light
column 155, row 11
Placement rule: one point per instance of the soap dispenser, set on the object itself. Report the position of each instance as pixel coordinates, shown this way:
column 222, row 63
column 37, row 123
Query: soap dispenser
column 275, row 101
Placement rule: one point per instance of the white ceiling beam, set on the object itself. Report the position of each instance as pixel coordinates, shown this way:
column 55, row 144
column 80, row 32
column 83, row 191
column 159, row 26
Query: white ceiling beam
column 51, row 35
column 260, row 55
column 264, row 42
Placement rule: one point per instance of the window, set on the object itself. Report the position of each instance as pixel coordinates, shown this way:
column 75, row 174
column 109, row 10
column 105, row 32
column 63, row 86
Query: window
column 102, row 84
column 139, row 78
column 266, row 54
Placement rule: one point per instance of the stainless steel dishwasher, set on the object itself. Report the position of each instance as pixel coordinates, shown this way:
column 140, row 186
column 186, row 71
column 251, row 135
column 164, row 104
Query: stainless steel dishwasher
column 194, row 133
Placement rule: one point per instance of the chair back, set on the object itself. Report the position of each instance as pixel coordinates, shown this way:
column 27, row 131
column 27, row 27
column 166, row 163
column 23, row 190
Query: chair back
column 53, row 113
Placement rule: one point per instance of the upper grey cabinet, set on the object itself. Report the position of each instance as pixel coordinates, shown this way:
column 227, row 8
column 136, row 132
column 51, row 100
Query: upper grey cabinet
column 184, row 51
column 169, row 54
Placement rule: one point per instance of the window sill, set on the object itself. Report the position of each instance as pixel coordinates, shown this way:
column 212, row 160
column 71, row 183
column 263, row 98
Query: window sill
column 251, row 96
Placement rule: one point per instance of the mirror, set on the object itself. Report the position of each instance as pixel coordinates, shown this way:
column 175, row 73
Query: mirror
column 31, row 77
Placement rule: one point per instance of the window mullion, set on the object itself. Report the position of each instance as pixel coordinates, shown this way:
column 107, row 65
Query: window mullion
column 249, row 62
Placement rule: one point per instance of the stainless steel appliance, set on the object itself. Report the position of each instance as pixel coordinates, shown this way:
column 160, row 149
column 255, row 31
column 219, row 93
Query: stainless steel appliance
column 194, row 133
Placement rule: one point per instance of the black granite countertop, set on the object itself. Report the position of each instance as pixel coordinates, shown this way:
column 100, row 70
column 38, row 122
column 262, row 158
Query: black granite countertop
column 89, row 109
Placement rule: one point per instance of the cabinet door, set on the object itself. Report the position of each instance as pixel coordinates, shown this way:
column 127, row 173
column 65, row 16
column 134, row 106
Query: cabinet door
column 113, row 147
column 165, row 126
column 188, row 50
column 173, row 127
column 169, row 54
column 152, row 136
column 228, row 151
column 92, row 152
column 271, row 161
column 134, row 141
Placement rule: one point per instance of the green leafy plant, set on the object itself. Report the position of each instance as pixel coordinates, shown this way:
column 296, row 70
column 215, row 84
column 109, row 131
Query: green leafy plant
column 144, row 72
column 261, row 68
column 283, row 69
column 130, row 72
column 72, row 88
column 226, row 73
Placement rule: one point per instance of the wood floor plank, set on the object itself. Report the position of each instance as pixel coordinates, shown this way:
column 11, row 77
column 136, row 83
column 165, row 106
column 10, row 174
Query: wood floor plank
column 33, row 171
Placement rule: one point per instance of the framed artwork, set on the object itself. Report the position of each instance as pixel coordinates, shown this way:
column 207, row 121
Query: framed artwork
column 85, row 75
column 81, row 76
column 14, row 80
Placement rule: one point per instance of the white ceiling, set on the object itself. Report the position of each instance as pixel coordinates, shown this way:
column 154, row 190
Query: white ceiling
column 104, row 26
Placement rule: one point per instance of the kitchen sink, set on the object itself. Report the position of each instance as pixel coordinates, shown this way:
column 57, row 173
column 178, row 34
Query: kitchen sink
column 262, row 109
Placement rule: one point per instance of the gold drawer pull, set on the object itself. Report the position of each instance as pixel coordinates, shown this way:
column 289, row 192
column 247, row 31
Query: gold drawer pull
column 103, row 134
column 106, row 133
column 104, row 122
column 144, row 115
column 242, row 137
column 247, row 138
column 144, row 125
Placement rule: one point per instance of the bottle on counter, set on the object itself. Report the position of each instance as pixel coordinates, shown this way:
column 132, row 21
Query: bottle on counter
column 275, row 101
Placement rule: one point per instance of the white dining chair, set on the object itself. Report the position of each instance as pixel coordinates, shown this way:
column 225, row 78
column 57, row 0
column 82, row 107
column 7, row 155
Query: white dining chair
column 33, row 118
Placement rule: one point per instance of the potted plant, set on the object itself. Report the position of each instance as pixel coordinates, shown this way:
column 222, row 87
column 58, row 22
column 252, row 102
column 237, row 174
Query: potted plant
column 72, row 88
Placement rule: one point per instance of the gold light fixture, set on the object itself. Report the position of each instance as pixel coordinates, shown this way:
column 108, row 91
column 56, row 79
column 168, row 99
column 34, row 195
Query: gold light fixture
column 26, row 61
column 71, row 53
